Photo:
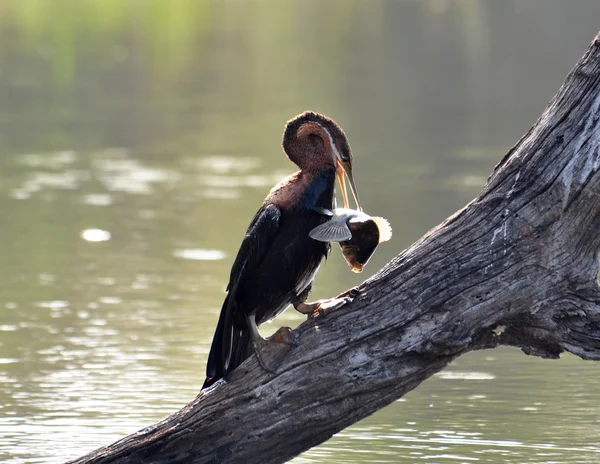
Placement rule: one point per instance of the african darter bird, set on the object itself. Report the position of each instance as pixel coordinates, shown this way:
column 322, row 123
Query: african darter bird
column 277, row 260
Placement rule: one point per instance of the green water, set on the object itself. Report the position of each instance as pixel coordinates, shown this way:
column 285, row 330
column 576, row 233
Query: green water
column 137, row 138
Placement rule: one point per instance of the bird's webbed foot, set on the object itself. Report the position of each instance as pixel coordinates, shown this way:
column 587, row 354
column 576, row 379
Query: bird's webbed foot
column 322, row 307
column 271, row 351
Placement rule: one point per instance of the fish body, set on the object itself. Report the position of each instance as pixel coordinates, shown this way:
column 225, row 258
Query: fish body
column 357, row 233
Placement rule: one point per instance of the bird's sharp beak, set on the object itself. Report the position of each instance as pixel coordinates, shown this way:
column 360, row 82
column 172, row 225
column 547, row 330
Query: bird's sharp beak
column 344, row 167
column 340, row 175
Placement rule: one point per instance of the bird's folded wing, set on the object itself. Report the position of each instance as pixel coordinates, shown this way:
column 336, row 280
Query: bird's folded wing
column 255, row 245
column 254, row 248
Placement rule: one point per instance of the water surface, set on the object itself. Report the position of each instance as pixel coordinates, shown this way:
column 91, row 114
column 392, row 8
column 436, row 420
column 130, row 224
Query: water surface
column 138, row 138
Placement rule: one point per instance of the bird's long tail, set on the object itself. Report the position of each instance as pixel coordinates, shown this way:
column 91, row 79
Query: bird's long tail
column 231, row 346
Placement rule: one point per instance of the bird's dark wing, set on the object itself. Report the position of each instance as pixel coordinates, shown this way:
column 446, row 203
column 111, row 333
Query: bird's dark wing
column 252, row 251
column 255, row 245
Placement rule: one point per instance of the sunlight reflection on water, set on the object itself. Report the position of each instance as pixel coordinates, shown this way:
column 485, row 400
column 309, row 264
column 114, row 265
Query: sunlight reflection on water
column 199, row 254
column 95, row 235
column 130, row 176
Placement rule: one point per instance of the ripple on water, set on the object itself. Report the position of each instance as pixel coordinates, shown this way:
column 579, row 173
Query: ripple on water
column 97, row 199
column 199, row 254
column 221, row 193
column 54, row 160
column 456, row 375
column 113, row 168
column 224, row 164
column 54, row 305
column 227, row 187
column 46, row 278
column 438, row 446
column 130, row 176
column 38, row 181
column 223, row 177
column 110, row 300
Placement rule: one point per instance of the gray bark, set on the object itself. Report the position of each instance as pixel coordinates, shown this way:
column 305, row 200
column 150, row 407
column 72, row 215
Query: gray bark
column 517, row 266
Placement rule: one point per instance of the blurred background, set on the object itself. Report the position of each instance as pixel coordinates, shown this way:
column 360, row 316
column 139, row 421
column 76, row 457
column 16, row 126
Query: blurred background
column 137, row 139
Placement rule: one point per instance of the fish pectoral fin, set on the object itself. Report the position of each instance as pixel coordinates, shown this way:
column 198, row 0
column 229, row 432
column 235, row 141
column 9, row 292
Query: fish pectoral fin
column 331, row 231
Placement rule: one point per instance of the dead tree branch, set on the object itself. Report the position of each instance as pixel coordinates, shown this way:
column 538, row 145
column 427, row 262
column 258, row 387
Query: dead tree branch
column 517, row 266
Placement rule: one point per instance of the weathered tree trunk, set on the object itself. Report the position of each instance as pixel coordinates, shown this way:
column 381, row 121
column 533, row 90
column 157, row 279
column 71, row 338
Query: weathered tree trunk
column 517, row 266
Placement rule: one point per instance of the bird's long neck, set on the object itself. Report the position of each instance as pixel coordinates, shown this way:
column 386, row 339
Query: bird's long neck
column 319, row 191
column 305, row 189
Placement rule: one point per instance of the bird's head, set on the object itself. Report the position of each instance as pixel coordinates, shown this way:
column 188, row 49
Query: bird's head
column 315, row 143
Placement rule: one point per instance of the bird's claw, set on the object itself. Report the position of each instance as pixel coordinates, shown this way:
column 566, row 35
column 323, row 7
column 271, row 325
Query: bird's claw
column 318, row 311
column 323, row 307
column 326, row 306
column 349, row 294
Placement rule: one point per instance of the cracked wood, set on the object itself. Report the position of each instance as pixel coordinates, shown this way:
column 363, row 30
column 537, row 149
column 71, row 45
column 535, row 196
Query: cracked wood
column 517, row 266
